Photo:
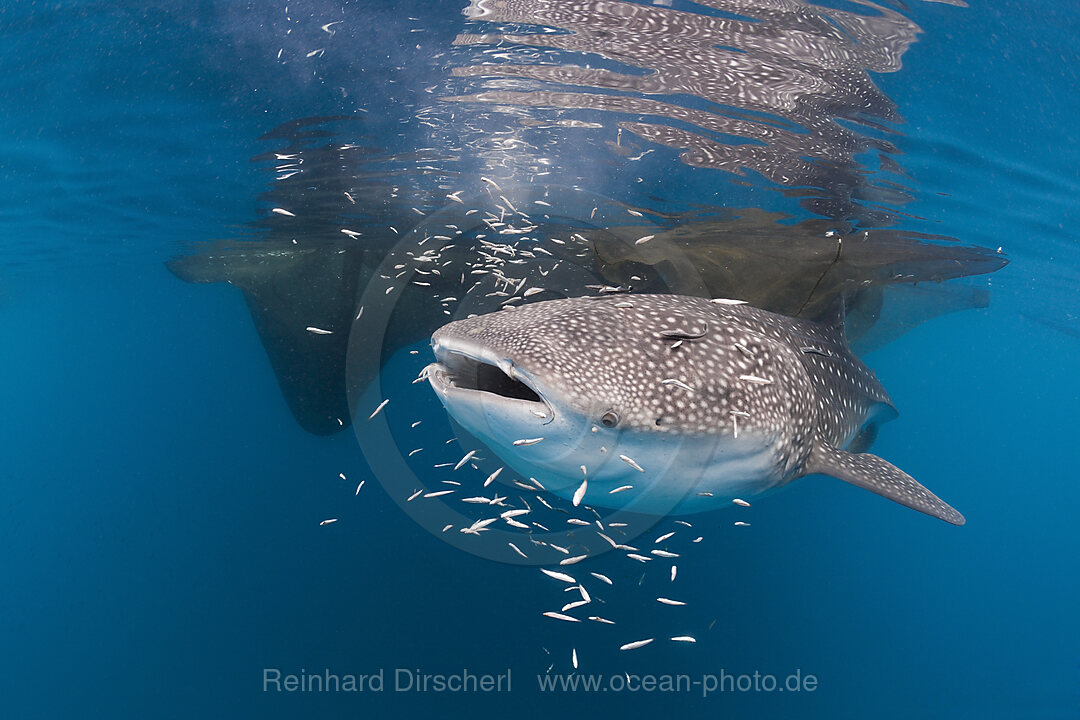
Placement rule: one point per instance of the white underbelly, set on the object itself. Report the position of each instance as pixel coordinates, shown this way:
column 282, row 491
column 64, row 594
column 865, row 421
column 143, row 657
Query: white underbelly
column 681, row 474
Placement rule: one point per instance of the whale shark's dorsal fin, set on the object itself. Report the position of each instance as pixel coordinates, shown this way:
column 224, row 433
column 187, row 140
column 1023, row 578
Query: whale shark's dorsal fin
column 878, row 476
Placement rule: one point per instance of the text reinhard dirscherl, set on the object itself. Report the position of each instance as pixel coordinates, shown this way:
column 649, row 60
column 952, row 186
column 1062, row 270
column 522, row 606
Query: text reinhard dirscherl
column 399, row 680
column 417, row 681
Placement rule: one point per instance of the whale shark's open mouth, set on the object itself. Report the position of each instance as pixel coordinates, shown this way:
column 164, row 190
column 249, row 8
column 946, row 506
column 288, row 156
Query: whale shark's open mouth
column 467, row 373
column 475, row 369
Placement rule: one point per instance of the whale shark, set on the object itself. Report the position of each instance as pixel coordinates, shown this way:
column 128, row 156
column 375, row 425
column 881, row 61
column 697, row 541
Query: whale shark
column 665, row 404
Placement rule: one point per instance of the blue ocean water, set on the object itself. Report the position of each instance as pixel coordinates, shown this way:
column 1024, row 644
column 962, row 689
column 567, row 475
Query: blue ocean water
column 161, row 530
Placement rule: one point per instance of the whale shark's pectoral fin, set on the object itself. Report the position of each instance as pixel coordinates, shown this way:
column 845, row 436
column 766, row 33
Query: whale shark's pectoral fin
column 876, row 475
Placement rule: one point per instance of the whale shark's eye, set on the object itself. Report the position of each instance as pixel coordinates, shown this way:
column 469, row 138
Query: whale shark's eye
column 609, row 419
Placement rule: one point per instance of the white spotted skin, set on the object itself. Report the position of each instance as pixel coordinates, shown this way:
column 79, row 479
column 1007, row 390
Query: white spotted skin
column 587, row 358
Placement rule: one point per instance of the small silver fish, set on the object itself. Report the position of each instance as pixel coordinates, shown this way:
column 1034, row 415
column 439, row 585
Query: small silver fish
column 636, row 644
column 558, row 576
column 378, row 409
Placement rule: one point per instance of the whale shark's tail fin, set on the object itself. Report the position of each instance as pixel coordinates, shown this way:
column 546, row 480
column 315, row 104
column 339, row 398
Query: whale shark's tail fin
column 878, row 476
